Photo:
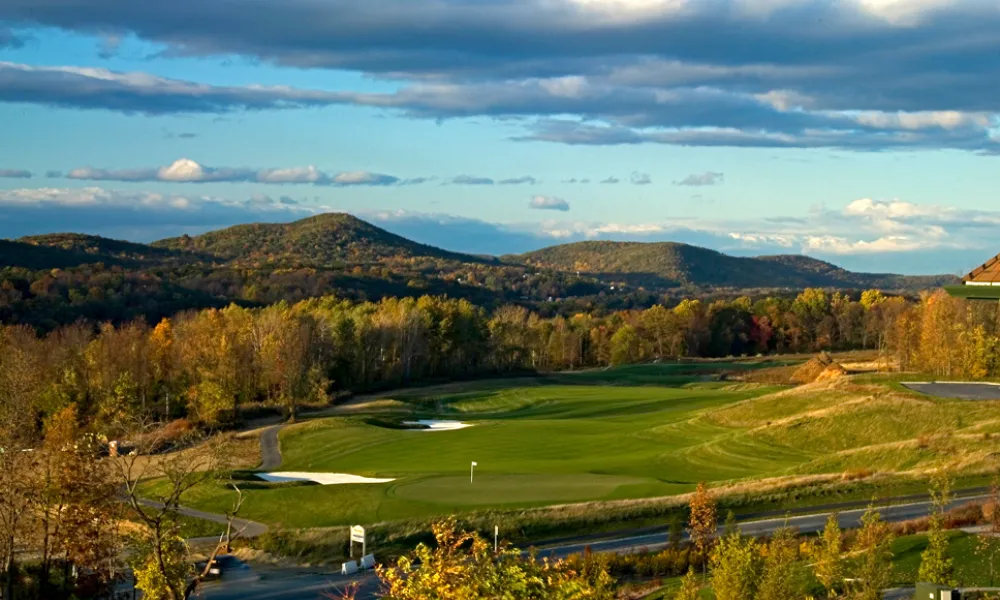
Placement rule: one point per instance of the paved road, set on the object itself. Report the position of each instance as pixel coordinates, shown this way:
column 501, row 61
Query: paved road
column 270, row 449
column 287, row 585
column 959, row 390
column 292, row 585
column 250, row 528
column 850, row 519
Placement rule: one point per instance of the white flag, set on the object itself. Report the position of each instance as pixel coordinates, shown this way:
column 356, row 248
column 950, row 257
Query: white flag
column 475, row 464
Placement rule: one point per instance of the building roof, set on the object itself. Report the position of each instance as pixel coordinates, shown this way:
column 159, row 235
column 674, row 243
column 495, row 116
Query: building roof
column 988, row 272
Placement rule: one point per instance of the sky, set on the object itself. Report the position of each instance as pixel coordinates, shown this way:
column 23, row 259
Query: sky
column 863, row 132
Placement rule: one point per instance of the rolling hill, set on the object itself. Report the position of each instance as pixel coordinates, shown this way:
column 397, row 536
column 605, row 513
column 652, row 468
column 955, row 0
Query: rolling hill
column 323, row 240
column 665, row 264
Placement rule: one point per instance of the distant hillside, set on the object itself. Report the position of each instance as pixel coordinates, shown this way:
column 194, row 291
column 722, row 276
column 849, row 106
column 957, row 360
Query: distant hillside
column 27, row 256
column 93, row 249
column 843, row 277
column 323, row 240
column 666, row 263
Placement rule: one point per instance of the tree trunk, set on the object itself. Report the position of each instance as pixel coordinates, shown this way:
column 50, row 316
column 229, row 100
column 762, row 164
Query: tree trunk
column 8, row 588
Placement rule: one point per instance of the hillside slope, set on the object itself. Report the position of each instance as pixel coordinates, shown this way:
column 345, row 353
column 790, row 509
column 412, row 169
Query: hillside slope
column 666, row 263
column 328, row 239
column 92, row 249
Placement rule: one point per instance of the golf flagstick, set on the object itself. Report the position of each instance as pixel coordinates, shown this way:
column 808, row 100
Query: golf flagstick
column 472, row 470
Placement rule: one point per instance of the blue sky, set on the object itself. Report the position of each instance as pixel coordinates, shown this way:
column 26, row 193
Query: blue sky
column 863, row 132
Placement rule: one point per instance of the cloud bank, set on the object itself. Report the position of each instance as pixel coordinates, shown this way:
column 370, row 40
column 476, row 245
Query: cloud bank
column 188, row 171
column 859, row 75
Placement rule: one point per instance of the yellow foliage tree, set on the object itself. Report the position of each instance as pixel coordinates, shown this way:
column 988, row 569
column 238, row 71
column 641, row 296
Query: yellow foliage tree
column 462, row 566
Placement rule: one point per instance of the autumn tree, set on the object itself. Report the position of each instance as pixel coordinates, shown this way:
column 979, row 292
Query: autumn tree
column 827, row 555
column 703, row 521
column 783, row 574
column 21, row 379
column 873, row 545
column 936, row 566
column 736, row 567
column 625, row 346
column 162, row 566
column 462, row 565
column 988, row 542
column 690, row 586
column 74, row 504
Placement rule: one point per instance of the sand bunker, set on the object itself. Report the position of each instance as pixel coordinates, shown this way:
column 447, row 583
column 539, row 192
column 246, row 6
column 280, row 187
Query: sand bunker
column 429, row 425
column 320, row 478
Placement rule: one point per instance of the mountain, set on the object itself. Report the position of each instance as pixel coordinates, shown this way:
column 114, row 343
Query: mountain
column 323, row 240
column 668, row 264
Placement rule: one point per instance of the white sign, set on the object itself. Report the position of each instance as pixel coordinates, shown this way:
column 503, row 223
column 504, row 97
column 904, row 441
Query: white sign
column 358, row 534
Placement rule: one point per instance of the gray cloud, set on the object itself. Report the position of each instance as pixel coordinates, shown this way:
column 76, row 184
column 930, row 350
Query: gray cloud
column 611, row 180
column 525, row 180
column 548, row 203
column 638, row 178
column 702, row 179
column 189, row 171
column 15, row 174
column 793, row 74
column 71, row 87
column 470, row 180
column 10, row 39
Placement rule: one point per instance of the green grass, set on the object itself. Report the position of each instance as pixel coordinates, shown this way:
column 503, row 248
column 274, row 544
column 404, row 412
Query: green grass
column 634, row 432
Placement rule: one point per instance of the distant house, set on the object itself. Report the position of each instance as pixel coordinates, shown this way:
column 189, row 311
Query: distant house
column 983, row 283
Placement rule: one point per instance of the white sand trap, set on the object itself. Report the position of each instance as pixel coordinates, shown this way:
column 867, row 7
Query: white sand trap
column 439, row 425
column 320, row 478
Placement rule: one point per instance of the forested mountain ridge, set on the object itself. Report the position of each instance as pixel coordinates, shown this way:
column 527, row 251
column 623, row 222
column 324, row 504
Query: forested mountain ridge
column 56, row 279
column 323, row 240
column 664, row 264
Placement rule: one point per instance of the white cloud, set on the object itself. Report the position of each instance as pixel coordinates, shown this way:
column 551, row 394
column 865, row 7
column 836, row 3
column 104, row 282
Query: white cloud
column 363, row 178
column 548, row 203
column 186, row 170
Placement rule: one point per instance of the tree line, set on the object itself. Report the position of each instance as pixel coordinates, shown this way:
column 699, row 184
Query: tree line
column 213, row 365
